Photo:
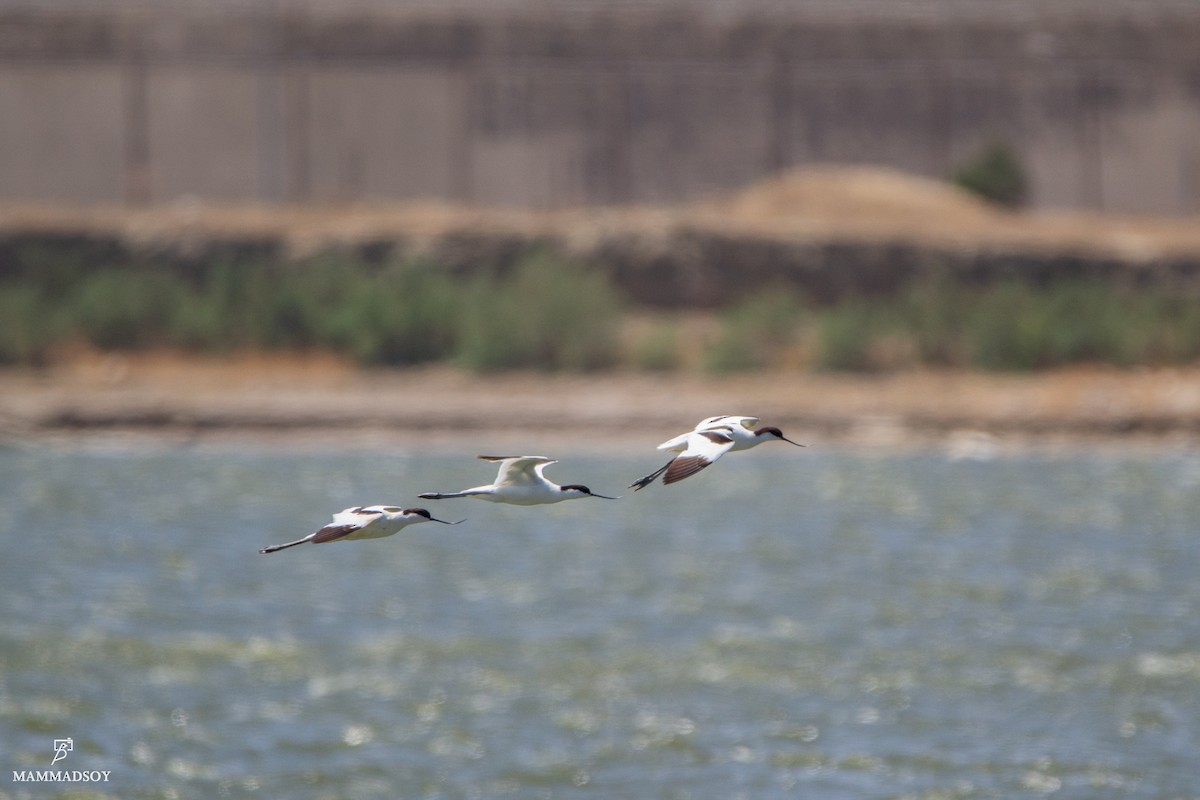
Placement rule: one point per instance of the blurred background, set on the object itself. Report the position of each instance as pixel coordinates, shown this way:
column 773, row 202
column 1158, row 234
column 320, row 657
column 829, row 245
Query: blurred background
column 540, row 105
column 661, row 186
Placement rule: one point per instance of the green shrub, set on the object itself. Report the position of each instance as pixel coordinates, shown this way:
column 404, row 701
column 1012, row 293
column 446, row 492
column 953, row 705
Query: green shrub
column 1009, row 326
column 1015, row 326
column 26, row 327
column 223, row 309
column 733, row 351
column 995, row 174
column 549, row 315
column 934, row 315
column 846, row 335
column 754, row 331
column 119, row 310
column 407, row 315
column 660, row 349
column 55, row 270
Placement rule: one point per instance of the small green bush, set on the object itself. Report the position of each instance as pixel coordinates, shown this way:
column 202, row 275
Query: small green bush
column 26, row 327
column 733, row 351
column 549, row 315
column 660, row 349
column 934, row 316
column 119, row 311
column 1017, row 327
column 754, row 331
column 995, row 174
column 846, row 335
column 1010, row 326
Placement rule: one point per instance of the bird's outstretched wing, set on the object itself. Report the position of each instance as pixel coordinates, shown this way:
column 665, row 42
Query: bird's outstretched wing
column 703, row 448
column 677, row 444
column 728, row 419
column 356, row 515
column 519, row 470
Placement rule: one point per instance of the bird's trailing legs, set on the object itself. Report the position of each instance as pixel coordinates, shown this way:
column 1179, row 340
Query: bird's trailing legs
column 642, row 483
column 441, row 495
column 276, row 547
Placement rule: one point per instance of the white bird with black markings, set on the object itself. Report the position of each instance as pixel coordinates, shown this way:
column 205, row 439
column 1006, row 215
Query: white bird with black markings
column 521, row 482
column 708, row 441
column 364, row 522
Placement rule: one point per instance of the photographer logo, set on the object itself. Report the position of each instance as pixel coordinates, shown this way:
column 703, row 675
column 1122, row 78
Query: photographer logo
column 61, row 748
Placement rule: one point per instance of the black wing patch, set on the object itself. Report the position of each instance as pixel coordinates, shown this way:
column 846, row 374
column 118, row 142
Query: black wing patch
column 333, row 532
column 684, row 467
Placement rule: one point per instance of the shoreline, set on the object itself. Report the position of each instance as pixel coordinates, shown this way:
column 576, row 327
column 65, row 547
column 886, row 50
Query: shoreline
column 284, row 401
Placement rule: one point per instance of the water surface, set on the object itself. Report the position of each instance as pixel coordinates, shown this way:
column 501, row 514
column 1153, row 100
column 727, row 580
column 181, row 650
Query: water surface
column 825, row 625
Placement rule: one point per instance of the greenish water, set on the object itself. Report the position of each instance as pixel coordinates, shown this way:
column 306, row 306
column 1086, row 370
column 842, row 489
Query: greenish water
column 822, row 625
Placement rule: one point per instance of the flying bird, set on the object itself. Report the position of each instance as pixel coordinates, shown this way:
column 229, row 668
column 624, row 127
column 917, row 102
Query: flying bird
column 521, row 482
column 364, row 522
column 708, row 441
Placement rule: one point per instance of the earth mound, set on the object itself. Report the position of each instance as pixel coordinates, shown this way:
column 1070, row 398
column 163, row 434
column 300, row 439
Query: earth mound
column 841, row 194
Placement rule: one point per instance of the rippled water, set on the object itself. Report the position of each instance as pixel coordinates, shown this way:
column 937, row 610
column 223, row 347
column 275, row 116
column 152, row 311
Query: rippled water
column 823, row 625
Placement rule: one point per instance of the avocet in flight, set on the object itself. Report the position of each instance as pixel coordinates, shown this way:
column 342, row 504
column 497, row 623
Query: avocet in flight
column 520, row 481
column 708, row 441
column 364, row 522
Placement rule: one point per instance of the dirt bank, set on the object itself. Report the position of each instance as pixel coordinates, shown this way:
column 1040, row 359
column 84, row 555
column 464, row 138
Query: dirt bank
column 164, row 398
column 830, row 232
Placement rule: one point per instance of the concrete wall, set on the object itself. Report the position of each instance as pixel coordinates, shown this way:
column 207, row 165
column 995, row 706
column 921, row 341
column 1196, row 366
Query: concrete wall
column 61, row 133
column 541, row 111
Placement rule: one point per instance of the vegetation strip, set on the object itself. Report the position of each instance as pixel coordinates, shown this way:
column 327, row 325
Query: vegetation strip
column 553, row 314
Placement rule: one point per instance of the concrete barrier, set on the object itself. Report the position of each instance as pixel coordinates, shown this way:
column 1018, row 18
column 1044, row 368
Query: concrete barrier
column 550, row 109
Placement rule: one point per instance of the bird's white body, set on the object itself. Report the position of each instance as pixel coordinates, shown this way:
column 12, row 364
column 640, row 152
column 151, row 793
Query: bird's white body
column 740, row 429
column 521, row 482
column 708, row 441
column 364, row 522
